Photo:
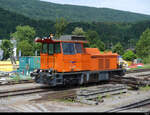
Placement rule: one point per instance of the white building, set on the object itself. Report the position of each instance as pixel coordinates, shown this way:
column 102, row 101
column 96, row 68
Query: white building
column 15, row 47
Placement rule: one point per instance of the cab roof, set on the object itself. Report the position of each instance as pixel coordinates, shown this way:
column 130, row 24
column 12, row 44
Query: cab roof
column 64, row 38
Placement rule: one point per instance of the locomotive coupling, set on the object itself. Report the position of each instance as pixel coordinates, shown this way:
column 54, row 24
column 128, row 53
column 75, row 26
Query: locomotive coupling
column 34, row 73
column 42, row 76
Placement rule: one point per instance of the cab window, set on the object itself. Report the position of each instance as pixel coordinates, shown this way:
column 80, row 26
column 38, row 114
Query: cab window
column 57, row 48
column 68, row 48
column 50, row 49
column 78, row 48
column 44, row 48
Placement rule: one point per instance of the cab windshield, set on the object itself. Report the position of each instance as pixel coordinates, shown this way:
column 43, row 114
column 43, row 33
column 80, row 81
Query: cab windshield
column 71, row 48
column 44, row 48
column 51, row 48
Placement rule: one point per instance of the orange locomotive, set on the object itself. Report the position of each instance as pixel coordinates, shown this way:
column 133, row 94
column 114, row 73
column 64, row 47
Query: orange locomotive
column 66, row 61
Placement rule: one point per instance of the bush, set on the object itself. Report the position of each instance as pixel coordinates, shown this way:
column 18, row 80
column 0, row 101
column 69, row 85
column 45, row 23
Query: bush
column 129, row 56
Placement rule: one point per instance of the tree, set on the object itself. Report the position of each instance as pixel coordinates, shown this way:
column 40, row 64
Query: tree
column 60, row 27
column 25, row 39
column 100, row 45
column 26, row 48
column 24, row 33
column 143, row 45
column 94, row 40
column 37, row 47
column 78, row 31
column 129, row 55
column 7, row 47
column 118, row 48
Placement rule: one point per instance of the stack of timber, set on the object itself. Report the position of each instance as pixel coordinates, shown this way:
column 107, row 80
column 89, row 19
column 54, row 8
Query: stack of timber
column 94, row 95
column 134, row 81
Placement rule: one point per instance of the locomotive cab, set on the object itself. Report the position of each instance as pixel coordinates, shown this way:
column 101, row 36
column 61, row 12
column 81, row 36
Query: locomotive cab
column 63, row 55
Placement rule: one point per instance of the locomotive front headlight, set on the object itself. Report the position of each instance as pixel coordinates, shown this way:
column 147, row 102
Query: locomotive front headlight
column 35, row 70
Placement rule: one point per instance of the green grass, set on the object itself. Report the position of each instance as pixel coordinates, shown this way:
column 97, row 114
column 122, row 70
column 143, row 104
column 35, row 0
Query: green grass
column 16, row 78
column 99, row 97
column 65, row 100
column 83, row 88
column 146, row 88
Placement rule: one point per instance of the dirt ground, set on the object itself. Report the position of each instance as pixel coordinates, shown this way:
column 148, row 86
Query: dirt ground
column 27, row 103
column 36, row 103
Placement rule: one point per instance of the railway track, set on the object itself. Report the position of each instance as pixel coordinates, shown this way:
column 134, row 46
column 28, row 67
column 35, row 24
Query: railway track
column 10, row 90
column 36, row 89
column 132, row 106
column 88, row 95
column 65, row 93
column 27, row 87
column 16, row 82
column 18, row 92
column 93, row 96
column 55, row 91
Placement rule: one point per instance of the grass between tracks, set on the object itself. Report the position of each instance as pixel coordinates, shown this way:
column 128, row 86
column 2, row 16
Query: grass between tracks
column 69, row 100
column 146, row 88
column 17, row 78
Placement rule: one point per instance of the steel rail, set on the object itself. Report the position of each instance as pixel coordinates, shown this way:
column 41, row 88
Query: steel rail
column 23, row 92
column 17, row 82
column 131, row 106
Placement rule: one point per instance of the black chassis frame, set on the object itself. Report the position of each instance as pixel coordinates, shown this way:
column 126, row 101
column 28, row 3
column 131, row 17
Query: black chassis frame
column 68, row 78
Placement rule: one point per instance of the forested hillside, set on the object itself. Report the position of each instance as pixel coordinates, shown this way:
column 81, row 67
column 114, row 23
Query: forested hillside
column 37, row 9
column 9, row 21
column 110, row 33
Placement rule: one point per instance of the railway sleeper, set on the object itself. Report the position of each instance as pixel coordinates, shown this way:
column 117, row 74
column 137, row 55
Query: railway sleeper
column 89, row 102
column 93, row 98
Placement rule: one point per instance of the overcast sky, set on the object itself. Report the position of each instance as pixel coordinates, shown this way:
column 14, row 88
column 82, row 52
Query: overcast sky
column 138, row 6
